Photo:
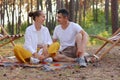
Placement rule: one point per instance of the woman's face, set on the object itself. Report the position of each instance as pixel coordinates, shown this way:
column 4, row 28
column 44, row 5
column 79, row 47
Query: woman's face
column 41, row 18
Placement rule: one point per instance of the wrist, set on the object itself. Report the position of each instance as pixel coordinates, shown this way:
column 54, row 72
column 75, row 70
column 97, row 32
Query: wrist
column 35, row 55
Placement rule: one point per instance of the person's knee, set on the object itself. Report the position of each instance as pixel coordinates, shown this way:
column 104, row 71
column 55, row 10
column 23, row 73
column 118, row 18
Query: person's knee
column 53, row 48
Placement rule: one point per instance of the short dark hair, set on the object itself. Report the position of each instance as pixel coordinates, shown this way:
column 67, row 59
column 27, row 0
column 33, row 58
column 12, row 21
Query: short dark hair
column 64, row 12
column 35, row 14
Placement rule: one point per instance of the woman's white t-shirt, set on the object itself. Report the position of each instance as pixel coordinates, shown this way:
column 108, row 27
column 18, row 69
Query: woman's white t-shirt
column 32, row 38
column 39, row 34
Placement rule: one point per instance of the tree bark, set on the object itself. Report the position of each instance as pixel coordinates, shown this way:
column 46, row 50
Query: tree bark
column 41, row 5
column 106, row 13
column 84, row 13
column 38, row 2
column 58, row 4
column 114, row 15
column 12, row 27
column 67, row 4
column 8, row 25
column 76, row 10
column 71, row 10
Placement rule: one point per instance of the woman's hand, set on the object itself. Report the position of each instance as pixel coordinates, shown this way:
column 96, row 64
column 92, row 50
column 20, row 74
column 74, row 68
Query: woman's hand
column 40, row 46
column 40, row 57
column 45, row 51
column 36, row 55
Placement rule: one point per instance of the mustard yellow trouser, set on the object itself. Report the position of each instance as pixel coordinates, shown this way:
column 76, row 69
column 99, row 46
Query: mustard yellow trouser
column 24, row 55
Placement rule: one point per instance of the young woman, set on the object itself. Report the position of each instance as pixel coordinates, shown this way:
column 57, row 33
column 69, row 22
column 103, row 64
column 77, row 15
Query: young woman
column 37, row 40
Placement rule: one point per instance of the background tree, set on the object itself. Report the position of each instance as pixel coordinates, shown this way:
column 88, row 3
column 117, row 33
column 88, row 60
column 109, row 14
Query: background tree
column 13, row 11
column 38, row 3
column 19, row 17
column 114, row 15
column 76, row 10
column 67, row 4
column 90, row 14
column 71, row 10
column 107, row 13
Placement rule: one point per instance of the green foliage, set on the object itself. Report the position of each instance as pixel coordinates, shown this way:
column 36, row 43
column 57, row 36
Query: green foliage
column 96, row 27
column 95, row 41
column 23, row 27
column 20, row 41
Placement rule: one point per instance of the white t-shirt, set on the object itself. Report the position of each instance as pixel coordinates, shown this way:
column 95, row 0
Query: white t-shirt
column 66, row 36
column 39, row 34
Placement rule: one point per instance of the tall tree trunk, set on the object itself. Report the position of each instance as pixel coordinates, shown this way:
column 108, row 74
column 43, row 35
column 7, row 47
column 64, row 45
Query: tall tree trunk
column 19, row 17
column 49, row 6
column 12, row 27
column 76, row 10
column 80, row 12
column 114, row 11
column 47, row 13
column 31, row 5
column 7, row 14
column 106, row 13
column 28, row 12
column 58, row 4
column 71, row 10
column 38, row 2
column 1, row 12
column 93, row 10
column 96, row 13
column 67, row 4
column 62, row 4
column 84, row 13
column 41, row 5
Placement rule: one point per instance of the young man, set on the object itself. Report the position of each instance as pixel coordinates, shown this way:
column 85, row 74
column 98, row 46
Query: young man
column 72, row 38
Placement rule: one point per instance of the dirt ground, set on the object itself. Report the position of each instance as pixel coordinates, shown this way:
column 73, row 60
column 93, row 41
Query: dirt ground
column 106, row 69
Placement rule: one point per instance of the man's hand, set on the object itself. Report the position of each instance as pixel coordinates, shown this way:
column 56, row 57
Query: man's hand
column 41, row 57
column 79, row 53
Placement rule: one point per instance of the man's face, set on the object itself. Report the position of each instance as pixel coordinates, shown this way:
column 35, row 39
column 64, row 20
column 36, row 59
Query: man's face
column 61, row 19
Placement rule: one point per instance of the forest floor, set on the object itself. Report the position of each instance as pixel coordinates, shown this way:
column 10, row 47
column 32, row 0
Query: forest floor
column 106, row 69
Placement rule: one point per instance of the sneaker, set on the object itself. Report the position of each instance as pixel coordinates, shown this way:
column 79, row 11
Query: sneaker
column 34, row 60
column 81, row 61
column 49, row 60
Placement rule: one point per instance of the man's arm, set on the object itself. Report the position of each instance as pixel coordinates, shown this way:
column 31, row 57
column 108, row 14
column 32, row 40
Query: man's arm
column 84, row 38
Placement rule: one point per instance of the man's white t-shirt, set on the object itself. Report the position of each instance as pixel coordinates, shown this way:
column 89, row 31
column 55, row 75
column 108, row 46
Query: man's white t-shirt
column 66, row 36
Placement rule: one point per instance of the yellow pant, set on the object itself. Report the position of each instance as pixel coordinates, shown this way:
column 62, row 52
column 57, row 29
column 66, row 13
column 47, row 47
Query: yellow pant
column 24, row 55
column 53, row 49
column 21, row 53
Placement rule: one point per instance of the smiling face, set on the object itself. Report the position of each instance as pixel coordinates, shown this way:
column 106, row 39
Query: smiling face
column 41, row 18
column 61, row 19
